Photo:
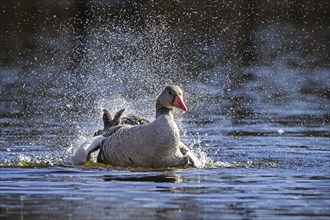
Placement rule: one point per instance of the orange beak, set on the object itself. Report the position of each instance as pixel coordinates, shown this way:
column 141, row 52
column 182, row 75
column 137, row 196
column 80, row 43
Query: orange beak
column 179, row 103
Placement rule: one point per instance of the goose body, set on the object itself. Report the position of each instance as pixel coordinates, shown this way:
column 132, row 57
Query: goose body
column 151, row 145
column 155, row 145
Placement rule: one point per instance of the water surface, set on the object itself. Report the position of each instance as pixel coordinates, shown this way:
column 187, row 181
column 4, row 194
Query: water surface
column 258, row 108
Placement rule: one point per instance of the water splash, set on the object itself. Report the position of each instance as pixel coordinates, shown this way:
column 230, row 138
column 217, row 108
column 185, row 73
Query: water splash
column 127, row 62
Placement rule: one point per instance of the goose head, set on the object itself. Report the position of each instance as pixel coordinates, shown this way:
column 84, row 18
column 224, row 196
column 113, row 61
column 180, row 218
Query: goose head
column 171, row 98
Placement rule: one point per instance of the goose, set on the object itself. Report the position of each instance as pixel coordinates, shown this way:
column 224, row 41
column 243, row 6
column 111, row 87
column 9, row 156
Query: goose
column 108, row 122
column 154, row 145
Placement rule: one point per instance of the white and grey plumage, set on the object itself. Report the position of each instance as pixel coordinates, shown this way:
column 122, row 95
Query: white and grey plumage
column 109, row 122
column 154, row 145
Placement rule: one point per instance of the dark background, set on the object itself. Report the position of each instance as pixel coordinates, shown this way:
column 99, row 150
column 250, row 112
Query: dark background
column 78, row 50
column 207, row 33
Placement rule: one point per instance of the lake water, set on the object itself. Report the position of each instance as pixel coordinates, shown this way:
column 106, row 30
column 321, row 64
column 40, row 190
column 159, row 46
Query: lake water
column 261, row 126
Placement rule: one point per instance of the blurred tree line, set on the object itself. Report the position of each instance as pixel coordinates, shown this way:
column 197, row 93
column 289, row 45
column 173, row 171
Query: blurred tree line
column 233, row 26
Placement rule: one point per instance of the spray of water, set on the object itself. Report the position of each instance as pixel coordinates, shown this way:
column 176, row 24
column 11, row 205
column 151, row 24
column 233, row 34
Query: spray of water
column 125, row 62
column 127, row 68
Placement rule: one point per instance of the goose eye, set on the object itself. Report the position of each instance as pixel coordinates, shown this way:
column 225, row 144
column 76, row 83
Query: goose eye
column 170, row 92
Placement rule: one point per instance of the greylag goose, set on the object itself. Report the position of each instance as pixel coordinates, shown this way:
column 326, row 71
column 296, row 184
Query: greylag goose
column 156, row 144
column 132, row 120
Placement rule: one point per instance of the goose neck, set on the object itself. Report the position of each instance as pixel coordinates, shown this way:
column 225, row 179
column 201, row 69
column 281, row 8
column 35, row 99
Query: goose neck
column 162, row 110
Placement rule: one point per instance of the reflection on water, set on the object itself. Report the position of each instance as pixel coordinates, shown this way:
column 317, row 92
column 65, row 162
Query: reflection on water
column 162, row 178
column 255, row 77
column 215, row 193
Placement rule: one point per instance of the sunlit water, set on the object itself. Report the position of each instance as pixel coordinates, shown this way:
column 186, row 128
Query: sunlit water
column 274, row 165
column 262, row 131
